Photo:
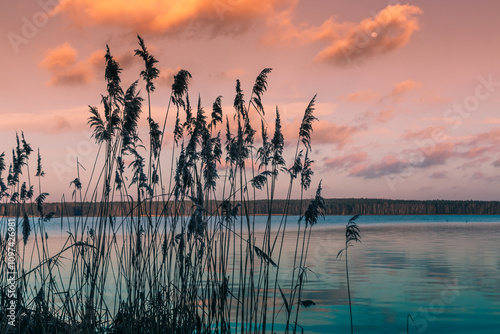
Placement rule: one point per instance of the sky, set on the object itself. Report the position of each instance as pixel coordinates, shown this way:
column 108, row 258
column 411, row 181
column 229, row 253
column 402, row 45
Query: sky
column 407, row 92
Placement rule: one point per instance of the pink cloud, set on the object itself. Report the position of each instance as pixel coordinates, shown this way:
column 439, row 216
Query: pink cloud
column 324, row 132
column 478, row 176
column 478, row 151
column 389, row 165
column 385, row 115
column 436, row 133
column 476, row 163
column 492, row 136
column 368, row 117
column 330, row 133
column 438, row 175
column 424, row 157
column 436, row 155
column 346, row 161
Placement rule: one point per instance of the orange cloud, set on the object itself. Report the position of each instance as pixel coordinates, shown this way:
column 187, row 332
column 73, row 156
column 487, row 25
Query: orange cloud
column 388, row 31
column 61, row 56
column 62, row 64
column 362, row 96
column 236, row 73
column 163, row 16
column 405, row 86
column 284, row 31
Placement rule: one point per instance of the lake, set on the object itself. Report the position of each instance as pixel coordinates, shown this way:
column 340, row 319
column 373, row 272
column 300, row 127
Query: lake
column 444, row 271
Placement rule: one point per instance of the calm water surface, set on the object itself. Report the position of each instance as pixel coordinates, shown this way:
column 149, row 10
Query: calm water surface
column 442, row 270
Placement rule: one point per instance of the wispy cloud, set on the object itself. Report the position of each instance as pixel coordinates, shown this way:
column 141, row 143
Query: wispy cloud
column 333, row 134
column 236, row 73
column 438, row 175
column 52, row 121
column 387, row 31
column 385, row 115
column 421, row 158
column 346, row 161
column 361, row 96
column 283, row 30
column 389, row 165
column 434, row 99
column 405, row 86
column 478, row 176
column 324, row 132
column 436, row 133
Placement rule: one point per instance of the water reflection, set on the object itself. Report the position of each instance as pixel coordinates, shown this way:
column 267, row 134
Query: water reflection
column 445, row 275
column 442, row 270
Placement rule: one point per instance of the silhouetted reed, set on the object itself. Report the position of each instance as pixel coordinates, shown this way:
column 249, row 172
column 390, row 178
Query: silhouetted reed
column 184, row 256
column 351, row 236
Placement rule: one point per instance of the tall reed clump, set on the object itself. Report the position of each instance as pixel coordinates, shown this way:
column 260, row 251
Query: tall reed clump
column 351, row 236
column 184, row 254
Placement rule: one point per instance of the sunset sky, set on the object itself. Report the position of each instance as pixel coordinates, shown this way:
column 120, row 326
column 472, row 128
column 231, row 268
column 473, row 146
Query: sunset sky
column 408, row 92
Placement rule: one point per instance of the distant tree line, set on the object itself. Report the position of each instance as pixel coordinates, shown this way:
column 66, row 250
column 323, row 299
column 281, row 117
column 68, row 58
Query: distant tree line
column 334, row 206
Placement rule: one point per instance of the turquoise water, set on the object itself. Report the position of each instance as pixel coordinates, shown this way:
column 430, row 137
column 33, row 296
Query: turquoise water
column 444, row 271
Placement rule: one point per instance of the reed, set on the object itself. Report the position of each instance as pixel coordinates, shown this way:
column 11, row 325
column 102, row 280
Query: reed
column 351, row 236
column 184, row 255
